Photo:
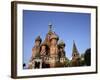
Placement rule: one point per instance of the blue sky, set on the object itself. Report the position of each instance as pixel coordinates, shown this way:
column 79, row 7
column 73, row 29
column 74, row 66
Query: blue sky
column 69, row 26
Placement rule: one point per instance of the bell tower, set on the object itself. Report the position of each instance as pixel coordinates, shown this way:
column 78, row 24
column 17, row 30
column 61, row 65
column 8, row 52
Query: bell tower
column 75, row 56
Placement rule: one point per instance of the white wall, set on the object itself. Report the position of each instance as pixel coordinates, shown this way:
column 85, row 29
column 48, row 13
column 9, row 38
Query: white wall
column 5, row 41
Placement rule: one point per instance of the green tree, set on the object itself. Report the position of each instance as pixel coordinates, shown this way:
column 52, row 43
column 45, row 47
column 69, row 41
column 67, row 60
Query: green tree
column 87, row 57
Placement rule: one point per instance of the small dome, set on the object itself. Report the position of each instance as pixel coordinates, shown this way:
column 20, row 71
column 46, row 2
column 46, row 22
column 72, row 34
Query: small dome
column 61, row 43
column 50, row 24
column 38, row 39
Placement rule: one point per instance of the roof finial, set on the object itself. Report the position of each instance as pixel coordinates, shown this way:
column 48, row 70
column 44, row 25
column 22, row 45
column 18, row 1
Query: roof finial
column 50, row 27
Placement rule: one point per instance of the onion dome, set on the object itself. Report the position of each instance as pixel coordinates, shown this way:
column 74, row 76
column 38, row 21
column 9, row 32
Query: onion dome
column 54, row 36
column 61, row 43
column 38, row 39
column 44, row 44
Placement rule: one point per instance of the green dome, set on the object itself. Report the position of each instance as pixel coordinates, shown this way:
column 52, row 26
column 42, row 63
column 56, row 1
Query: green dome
column 61, row 43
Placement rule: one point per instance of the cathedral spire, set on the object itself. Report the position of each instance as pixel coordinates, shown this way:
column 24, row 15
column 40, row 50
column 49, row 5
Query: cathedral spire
column 75, row 50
